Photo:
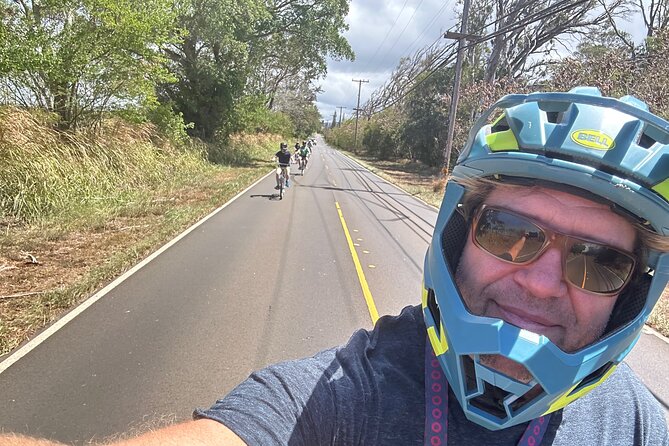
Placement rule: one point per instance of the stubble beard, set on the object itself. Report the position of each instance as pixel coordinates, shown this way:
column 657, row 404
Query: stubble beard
column 478, row 305
column 510, row 368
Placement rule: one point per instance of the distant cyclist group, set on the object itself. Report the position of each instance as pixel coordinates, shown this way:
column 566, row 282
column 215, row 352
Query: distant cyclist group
column 283, row 157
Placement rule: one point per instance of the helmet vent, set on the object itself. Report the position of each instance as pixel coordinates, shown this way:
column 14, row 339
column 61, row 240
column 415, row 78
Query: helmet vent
column 592, row 378
column 646, row 141
column 469, row 371
column 500, row 126
column 433, row 306
column 491, row 401
column 532, row 395
column 629, row 304
column 453, row 240
column 554, row 117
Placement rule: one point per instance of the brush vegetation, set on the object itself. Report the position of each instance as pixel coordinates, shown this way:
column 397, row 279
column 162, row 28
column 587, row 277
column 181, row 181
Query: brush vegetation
column 79, row 208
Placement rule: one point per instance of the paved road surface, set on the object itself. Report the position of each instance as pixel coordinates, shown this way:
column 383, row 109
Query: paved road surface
column 260, row 281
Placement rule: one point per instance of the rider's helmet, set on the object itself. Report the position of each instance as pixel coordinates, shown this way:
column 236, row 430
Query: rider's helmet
column 612, row 148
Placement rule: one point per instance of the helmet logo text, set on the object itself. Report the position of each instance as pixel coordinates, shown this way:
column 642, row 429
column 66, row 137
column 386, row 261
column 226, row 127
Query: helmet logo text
column 593, row 139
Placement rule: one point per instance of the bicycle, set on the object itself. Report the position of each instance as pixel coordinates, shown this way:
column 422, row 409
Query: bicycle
column 303, row 165
column 282, row 179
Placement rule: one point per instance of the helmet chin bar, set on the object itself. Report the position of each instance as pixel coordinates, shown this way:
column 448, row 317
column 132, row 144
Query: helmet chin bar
column 459, row 338
column 490, row 397
column 612, row 148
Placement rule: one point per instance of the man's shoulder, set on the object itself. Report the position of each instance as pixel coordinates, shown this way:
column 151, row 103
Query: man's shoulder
column 396, row 342
column 619, row 411
column 404, row 327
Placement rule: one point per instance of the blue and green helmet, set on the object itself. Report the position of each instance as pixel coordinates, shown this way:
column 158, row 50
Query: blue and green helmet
column 614, row 149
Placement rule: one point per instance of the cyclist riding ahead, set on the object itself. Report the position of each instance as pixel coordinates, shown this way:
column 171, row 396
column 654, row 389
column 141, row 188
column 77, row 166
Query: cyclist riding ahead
column 296, row 153
column 283, row 160
column 304, row 153
column 550, row 250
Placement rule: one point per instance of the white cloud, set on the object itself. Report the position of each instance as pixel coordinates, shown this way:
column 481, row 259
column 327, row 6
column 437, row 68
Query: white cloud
column 379, row 46
column 381, row 32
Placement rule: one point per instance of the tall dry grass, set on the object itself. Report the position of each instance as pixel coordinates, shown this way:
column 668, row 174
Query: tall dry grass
column 45, row 173
column 89, row 205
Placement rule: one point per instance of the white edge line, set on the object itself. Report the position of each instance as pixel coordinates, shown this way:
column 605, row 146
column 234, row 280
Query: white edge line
column 647, row 329
column 388, row 181
column 60, row 323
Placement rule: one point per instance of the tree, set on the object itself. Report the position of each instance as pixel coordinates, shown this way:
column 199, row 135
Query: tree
column 644, row 74
column 235, row 48
column 79, row 58
column 655, row 16
column 518, row 30
column 298, row 102
column 292, row 44
column 211, row 61
column 425, row 117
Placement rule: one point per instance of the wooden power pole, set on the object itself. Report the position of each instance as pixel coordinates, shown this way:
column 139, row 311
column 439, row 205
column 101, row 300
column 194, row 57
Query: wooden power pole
column 461, row 36
column 357, row 113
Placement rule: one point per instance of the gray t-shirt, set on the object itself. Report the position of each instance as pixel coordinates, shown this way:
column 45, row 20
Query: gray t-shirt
column 371, row 392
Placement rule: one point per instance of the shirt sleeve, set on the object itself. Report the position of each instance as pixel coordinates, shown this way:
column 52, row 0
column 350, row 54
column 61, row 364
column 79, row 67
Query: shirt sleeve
column 621, row 411
column 321, row 400
column 287, row 403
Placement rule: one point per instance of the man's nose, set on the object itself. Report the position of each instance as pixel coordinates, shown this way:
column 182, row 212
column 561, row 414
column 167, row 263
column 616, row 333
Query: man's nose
column 544, row 277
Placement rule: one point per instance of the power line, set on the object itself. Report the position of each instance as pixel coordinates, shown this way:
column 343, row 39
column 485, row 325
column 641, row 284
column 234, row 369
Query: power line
column 436, row 16
column 387, row 34
column 403, row 29
column 561, row 6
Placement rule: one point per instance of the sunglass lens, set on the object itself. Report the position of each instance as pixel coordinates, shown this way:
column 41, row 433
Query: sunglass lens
column 507, row 236
column 598, row 268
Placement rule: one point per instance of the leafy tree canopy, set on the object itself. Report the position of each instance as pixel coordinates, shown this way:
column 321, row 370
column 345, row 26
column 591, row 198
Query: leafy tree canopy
column 79, row 57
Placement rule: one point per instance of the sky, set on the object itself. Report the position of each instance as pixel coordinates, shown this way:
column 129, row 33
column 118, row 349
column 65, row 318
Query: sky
column 380, row 33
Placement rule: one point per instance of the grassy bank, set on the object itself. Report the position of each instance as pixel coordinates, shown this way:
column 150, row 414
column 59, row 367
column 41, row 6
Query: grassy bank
column 79, row 210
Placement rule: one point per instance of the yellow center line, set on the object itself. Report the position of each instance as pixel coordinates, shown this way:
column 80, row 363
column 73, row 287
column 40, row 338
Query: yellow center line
column 371, row 306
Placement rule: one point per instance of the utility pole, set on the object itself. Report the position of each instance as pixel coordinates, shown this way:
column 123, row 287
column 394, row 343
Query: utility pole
column 357, row 113
column 341, row 114
column 461, row 36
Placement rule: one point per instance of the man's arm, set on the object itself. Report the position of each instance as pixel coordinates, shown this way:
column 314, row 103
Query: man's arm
column 197, row 433
column 18, row 440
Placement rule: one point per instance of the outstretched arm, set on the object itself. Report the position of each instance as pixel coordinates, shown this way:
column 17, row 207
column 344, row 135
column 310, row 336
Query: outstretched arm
column 18, row 440
column 196, row 433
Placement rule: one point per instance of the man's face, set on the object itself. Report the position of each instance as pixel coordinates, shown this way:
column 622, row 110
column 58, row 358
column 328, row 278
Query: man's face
column 536, row 296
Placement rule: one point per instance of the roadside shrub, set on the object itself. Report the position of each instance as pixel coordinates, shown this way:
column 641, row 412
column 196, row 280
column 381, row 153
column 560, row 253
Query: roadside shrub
column 170, row 123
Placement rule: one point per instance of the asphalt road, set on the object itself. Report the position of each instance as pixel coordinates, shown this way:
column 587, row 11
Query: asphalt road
column 260, row 281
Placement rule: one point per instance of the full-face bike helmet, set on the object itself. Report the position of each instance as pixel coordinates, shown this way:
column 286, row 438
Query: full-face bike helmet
column 613, row 149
